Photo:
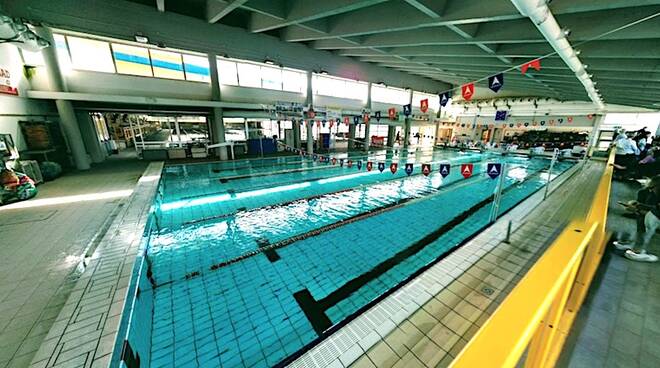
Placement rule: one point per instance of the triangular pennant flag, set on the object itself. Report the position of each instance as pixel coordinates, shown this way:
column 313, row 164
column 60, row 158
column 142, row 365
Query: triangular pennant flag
column 409, row 168
column 494, row 170
column 391, row 113
column 370, row 165
column 381, row 166
column 496, row 82
column 424, row 105
column 341, row 162
column 467, row 90
column 466, row 170
column 346, row 120
column 444, row 99
column 535, row 64
column 365, row 118
column 359, row 165
column 426, row 169
column 407, row 109
column 334, row 161
column 349, row 163
column 377, row 114
column 393, row 167
column 356, row 119
column 445, row 169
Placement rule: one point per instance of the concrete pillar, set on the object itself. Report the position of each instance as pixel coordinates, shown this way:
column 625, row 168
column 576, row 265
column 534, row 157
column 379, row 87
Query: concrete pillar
column 90, row 137
column 296, row 134
column 64, row 107
column 310, row 123
column 593, row 136
column 407, row 123
column 391, row 135
column 367, row 127
column 216, row 121
column 351, row 135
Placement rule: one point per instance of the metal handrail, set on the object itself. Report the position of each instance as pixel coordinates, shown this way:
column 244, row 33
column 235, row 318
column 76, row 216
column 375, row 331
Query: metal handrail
column 538, row 313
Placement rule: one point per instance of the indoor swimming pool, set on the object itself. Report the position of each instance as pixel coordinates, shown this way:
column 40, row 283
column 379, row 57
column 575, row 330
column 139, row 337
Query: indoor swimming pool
column 247, row 264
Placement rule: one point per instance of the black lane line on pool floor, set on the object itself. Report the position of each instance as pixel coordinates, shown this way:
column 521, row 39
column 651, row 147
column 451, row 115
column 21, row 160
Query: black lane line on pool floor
column 291, row 358
column 320, row 322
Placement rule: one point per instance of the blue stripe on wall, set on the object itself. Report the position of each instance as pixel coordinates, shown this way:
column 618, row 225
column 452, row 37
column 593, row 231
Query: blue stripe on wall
column 196, row 69
column 190, row 68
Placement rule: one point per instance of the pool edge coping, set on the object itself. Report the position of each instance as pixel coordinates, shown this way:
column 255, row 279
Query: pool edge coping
column 86, row 329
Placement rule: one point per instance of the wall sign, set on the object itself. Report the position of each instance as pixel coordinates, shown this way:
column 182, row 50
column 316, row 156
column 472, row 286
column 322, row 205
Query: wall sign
column 6, row 85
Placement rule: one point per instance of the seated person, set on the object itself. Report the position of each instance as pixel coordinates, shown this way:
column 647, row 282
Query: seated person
column 647, row 209
column 15, row 186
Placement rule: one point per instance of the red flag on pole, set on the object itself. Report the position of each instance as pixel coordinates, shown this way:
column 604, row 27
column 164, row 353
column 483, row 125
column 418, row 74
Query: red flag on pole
column 391, row 112
column 467, row 90
column 535, row 64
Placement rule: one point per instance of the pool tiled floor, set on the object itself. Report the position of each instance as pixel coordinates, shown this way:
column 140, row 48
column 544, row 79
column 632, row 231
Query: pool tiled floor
column 470, row 284
column 41, row 247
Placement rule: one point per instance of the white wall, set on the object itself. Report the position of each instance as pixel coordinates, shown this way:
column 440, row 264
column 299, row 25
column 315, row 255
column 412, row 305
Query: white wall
column 16, row 108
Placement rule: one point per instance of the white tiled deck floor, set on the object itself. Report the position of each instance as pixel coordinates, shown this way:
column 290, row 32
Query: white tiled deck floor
column 428, row 321
column 40, row 248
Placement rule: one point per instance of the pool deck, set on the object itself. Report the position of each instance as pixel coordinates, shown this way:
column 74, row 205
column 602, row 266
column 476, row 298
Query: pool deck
column 429, row 320
column 42, row 245
column 83, row 332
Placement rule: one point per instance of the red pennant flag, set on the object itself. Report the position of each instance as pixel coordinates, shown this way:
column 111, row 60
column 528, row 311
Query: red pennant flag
column 466, row 170
column 391, row 112
column 467, row 90
column 318, row 124
column 424, row 105
column 332, row 122
column 370, row 165
column 426, row 169
column 365, row 118
column 535, row 64
column 346, row 120
column 393, row 167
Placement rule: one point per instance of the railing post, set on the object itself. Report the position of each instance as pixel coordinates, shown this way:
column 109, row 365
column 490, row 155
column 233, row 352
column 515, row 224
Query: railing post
column 552, row 164
column 498, row 195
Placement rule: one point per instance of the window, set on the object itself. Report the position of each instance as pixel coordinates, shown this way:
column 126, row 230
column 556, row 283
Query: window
column 249, row 75
column 132, row 60
column 167, row 64
column 90, row 55
column 294, row 81
column 271, row 78
column 197, row 68
column 397, row 96
column 227, row 72
column 62, row 51
column 339, row 87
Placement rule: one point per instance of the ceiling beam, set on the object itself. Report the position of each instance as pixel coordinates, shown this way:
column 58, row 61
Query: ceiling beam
column 302, row 11
column 217, row 9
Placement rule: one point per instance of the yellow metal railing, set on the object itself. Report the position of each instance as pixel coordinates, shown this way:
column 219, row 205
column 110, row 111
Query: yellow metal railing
column 538, row 313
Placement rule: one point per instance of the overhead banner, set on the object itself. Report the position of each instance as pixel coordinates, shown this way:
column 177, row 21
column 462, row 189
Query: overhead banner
column 467, row 90
column 534, row 64
column 370, row 165
column 381, row 166
column 377, row 115
column 359, row 165
column 391, row 113
column 424, row 105
column 407, row 110
column 393, row 167
column 444, row 99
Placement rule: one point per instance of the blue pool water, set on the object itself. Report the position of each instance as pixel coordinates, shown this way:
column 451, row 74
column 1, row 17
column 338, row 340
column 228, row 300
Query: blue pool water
column 248, row 280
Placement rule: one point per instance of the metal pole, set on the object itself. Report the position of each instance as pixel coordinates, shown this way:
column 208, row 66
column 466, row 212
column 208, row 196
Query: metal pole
column 261, row 145
column 508, row 233
column 552, row 163
column 498, row 195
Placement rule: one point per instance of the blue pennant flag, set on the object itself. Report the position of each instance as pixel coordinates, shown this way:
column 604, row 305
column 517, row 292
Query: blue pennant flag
column 445, row 169
column 381, row 166
column 494, row 170
column 409, row 169
column 377, row 114
column 444, row 99
column 356, row 120
column 407, row 109
column 500, row 115
column 314, row 157
column 496, row 82
column 341, row 162
column 359, row 165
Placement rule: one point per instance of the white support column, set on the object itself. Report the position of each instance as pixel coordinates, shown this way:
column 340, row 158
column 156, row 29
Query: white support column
column 65, row 109
column 367, row 126
column 216, row 120
column 310, row 123
column 407, row 123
